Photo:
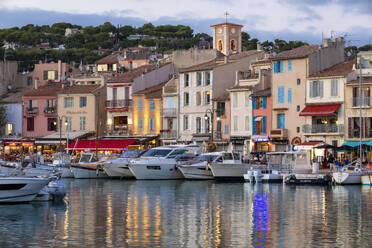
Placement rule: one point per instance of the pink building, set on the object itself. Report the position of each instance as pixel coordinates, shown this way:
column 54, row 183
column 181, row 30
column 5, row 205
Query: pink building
column 39, row 111
column 221, row 122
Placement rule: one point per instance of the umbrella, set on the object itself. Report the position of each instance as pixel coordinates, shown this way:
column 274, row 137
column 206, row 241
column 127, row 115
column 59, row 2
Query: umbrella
column 326, row 146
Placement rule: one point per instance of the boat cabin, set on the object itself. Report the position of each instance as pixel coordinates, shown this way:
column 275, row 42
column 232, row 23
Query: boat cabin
column 291, row 161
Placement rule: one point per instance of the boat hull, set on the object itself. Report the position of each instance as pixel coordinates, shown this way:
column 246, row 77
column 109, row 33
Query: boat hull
column 345, row 178
column 161, row 171
column 118, row 170
column 66, row 173
column 366, row 179
column 20, row 189
column 192, row 172
column 83, row 173
column 229, row 171
column 304, row 179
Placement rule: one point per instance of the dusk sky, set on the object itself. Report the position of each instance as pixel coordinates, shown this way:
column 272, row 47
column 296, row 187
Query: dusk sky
column 267, row 20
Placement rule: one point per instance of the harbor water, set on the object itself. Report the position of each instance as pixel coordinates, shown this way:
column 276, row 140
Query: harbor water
column 114, row 213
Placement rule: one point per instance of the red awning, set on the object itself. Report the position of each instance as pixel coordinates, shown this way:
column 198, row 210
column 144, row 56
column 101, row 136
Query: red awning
column 103, row 145
column 320, row 110
column 311, row 143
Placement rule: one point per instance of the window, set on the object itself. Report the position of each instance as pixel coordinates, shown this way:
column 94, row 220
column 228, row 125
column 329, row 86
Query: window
column 198, row 78
column 235, row 123
column 220, row 109
column 198, row 124
column 259, row 102
column 365, row 99
column 185, row 122
column 207, row 125
column 246, row 99
column 198, row 98
column 187, row 80
column 140, row 104
column 246, row 123
column 281, row 121
column 289, row 65
column 226, row 129
column 275, row 66
column 9, row 129
column 235, row 99
column 281, row 66
column 281, row 94
column 69, row 123
column 186, row 100
column 298, row 108
column 208, row 97
column 151, row 124
column 30, row 124
column 152, row 105
column 334, row 87
column 316, row 89
column 207, row 78
column 52, row 124
column 289, row 95
column 29, row 81
column 82, row 123
column 259, row 125
column 49, row 103
column 83, row 101
column 140, row 125
column 298, row 81
column 50, row 75
column 298, row 129
column 69, row 102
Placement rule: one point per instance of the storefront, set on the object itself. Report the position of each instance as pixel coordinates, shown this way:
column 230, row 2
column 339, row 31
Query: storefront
column 15, row 149
column 241, row 144
column 102, row 146
column 261, row 144
column 279, row 145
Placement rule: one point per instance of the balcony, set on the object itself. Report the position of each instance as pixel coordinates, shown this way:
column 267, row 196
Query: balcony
column 279, row 133
column 323, row 129
column 123, row 129
column 169, row 112
column 125, row 103
column 168, row 134
column 50, row 110
column 364, row 101
column 32, row 111
column 217, row 135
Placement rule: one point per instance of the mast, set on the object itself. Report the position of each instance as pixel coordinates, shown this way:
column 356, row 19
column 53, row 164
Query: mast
column 360, row 112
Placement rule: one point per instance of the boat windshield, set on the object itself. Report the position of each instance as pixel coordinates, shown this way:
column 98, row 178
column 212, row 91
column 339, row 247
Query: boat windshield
column 236, row 156
column 177, row 153
column 227, row 156
column 157, row 153
column 85, row 158
column 208, row 158
column 130, row 154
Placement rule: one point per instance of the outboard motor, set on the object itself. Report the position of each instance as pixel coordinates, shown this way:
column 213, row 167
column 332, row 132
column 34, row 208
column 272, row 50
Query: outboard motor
column 258, row 176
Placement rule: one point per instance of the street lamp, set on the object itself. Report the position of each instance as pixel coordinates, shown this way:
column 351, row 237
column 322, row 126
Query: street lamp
column 60, row 128
column 211, row 112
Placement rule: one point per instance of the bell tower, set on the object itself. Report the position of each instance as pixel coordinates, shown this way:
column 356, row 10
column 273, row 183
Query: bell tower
column 227, row 37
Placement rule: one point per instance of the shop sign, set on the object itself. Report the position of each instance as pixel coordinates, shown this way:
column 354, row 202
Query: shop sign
column 261, row 139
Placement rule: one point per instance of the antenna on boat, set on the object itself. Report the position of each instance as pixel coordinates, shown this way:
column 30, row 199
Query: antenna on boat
column 360, row 111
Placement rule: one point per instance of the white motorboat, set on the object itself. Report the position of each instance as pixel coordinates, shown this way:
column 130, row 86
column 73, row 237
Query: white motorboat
column 27, row 169
column 21, row 189
column 161, row 162
column 54, row 191
column 119, row 167
column 198, row 168
column 348, row 175
column 63, row 162
column 229, row 166
column 279, row 164
column 88, row 167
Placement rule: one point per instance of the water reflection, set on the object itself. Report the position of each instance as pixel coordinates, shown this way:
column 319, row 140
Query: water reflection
column 106, row 213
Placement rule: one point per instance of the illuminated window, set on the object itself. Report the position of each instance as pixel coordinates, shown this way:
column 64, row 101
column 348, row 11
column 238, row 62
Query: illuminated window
column 9, row 128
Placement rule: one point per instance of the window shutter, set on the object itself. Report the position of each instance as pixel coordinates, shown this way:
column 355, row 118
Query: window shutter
column 275, row 66
column 246, row 123
column 289, row 65
column 350, row 128
column 281, row 66
column 289, row 95
column 56, row 75
column 254, row 103
column 281, row 94
column 321, row 88
column 264, row 99
column 246, row 99
column 264, row 124
column 45, row 75
column 367, row 127
column 254, row 125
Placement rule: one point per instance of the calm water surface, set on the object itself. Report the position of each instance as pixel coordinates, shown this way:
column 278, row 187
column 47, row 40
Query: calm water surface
column 113, row 213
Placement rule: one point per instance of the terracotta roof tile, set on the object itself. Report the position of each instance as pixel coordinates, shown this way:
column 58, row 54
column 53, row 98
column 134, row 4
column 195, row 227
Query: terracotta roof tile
column 130, row 75
column 261, row 62
column 46, row 90
column 341, row 69
column 109, row 59
column 229, row 23
column 202, row 66
column 77, row 89
column 299, row 52
column 365, row 80
column 152, row 92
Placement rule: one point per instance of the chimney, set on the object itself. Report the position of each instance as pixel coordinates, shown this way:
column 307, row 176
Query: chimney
column 130, row 65
column 36, row 83
column 59, row 70
column 259, row 48
column 325, row 42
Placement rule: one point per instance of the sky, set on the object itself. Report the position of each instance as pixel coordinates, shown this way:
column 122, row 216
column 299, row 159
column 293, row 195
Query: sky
column 306, row 20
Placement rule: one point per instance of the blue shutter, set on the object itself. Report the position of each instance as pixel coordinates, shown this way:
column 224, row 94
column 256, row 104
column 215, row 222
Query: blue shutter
column 281, row 66
column 289, row 95
column 254, row 125
column 140, row 107
column 281, row 121
column 264, row 124
column 275, row 66
column 289, row 65
column 280, row 94
column 254, row 102
column 264, row 102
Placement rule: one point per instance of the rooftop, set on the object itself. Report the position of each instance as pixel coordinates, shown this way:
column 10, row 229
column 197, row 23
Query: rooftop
column 299, row 52
column 12, row 97
column 341, row 69
column 152, row 92
column 109, row 59
column 365, row 80
column 227, row 23
column 46, row 90
column 76, row 89
column 130, row 75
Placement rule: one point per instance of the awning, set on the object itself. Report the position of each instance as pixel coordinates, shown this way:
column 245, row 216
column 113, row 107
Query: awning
column 320, row 110
column 307, row 145
column 356, row 143
column 258, row 118
column 70, row 135
column 103, row 145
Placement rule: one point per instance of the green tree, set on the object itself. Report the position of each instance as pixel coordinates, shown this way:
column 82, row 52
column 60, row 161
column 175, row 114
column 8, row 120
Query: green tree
column 366, row 48
column 3, row 120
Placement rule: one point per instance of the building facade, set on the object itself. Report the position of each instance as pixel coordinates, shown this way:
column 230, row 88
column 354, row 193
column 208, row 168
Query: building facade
column 56, row 72
column 170, row 112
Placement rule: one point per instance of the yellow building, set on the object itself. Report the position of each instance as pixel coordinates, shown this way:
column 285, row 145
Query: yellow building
column 147, row 105
column 81, row 108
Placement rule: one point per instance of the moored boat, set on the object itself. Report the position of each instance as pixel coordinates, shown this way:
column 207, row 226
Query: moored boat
column 229, row 166
column 198, row 168
column 119, row 167
column 88, row 167
column 366, row 178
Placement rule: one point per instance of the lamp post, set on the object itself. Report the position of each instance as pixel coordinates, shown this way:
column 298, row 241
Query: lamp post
column 60, row 128
column 211, row 112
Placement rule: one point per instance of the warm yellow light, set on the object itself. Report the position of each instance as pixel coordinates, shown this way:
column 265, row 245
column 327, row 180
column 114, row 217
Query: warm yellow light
column 109, row 121
column 129, row 121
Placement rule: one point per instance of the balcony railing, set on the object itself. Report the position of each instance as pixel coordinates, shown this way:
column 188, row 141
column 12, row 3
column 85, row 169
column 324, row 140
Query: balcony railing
column 122, row 129
column 170, row 112
column 279, row 133
column 217, row 135
column 168, row 134
column 323, row 128
column 49, row 110
column 32, row 111
column 364, row 101
column 118, row 103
